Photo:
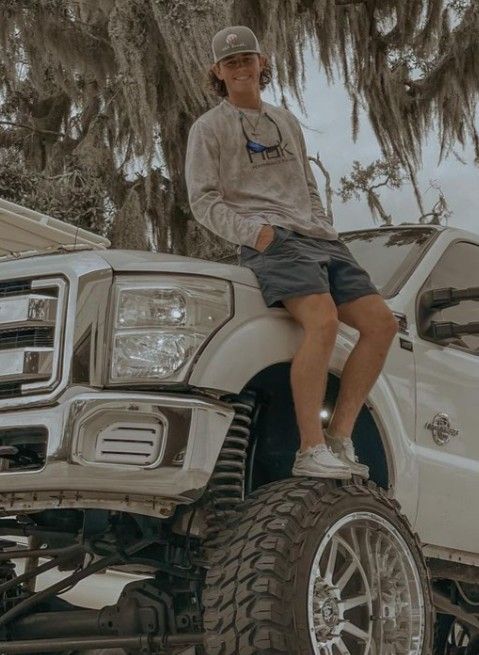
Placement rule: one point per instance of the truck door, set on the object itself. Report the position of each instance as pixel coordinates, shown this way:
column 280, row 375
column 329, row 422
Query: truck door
column 448, row 409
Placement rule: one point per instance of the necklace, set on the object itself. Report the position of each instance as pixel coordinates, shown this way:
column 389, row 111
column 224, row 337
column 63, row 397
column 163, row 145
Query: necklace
column 254, row 126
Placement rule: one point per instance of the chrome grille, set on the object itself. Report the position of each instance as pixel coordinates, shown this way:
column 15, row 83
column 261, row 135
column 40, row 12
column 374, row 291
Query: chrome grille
column 10, row 390
column 21, row 338
column 31, row 329
column 12, row 287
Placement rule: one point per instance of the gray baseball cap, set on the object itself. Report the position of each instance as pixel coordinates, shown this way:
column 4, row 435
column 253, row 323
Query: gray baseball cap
column 233, row 41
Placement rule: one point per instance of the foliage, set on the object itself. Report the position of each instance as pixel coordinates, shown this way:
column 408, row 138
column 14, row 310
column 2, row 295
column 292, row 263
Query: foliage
column 76, row 197
column 440, row 211
column 109, row 88
column 364, row 179
column 388, row 173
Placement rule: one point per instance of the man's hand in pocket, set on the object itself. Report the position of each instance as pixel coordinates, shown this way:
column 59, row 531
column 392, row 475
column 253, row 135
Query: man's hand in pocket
column 265, row 237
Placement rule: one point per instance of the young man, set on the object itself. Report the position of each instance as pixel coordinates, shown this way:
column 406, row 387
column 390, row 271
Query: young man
column 249, row 181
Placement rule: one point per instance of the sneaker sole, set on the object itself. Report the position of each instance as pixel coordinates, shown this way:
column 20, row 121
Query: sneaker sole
column 363, row 473
column 357, row 469
column 335, row 474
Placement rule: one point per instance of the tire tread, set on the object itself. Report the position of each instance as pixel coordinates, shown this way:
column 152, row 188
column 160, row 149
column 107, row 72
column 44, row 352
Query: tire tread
column 249, row 587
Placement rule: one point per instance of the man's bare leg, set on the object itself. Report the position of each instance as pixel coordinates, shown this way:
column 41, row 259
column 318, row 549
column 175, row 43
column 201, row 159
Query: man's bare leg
column 377, row 327
column 317, row 314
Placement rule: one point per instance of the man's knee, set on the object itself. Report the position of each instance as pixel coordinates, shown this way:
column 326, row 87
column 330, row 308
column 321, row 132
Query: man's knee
column 371, row 317
column 316, row 313
column 381, row 327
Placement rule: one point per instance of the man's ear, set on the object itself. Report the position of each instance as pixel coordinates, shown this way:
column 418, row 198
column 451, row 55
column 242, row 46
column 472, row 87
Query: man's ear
column 217, row 71
column 262, row 62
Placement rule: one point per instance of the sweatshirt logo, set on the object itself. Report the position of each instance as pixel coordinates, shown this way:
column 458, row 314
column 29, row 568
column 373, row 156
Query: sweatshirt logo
column 271, row 150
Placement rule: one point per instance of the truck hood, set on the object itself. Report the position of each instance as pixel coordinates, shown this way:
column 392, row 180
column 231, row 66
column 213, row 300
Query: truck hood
column 138, row 261
column 24, row 230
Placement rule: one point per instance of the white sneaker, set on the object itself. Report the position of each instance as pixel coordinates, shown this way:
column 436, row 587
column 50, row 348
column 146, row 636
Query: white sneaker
column 344, row 450
column 319, row 462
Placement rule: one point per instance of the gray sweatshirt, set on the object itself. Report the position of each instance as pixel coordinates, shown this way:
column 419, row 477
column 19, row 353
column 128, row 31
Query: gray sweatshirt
column 238, row 181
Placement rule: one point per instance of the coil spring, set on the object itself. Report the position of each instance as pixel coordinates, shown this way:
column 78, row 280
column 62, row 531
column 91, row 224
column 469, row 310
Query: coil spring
column 227, row 483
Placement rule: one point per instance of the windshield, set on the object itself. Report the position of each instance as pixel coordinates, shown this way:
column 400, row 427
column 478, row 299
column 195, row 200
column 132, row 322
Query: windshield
column 389, row 255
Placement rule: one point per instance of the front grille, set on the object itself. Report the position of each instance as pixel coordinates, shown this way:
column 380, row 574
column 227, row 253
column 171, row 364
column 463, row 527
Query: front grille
column 34, row 337
column 13, row 287
column 10, row 390
column 31, row 329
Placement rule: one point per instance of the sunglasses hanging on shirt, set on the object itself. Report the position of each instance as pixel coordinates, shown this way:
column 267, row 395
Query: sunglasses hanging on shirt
column 254, row 146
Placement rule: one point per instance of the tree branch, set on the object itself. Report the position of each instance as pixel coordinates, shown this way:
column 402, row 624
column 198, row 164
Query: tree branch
column 32, row 129
column 329, row 190
column 375, row 203
column 380, row 184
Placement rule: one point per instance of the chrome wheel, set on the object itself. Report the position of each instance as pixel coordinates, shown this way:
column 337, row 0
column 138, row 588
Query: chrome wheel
column 364, row 591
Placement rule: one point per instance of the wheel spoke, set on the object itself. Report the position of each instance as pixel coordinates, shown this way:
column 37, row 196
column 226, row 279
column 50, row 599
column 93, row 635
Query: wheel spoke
column 331, row 565
column 343, row 649
column 346, row 576
column 355, row 631
column 369, row 555
column 370, row 577
column 354, row 539
column 350, row 603
column 394, row 565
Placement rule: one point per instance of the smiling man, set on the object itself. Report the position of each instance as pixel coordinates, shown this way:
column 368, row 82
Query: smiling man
column 249, row 181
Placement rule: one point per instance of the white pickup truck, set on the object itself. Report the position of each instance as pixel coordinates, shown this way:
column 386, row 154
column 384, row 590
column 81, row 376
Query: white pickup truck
column 147, row 426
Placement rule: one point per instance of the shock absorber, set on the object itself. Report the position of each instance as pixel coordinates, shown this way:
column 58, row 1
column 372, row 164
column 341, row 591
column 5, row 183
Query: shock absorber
column 227, row 483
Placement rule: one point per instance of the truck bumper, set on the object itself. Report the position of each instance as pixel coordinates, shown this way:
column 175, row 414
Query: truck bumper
column 137, row 452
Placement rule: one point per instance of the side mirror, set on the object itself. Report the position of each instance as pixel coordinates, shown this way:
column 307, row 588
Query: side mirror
column 437, row 299
column 447, row 330
column 447, row 297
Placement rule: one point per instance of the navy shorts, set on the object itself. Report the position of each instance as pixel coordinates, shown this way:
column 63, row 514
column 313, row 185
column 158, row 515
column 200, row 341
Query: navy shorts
column 297, row 265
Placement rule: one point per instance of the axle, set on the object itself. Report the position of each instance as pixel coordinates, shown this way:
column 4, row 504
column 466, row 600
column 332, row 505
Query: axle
column 140, row 643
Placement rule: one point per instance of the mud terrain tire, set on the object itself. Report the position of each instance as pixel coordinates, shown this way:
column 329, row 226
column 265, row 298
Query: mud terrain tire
column 256, row 599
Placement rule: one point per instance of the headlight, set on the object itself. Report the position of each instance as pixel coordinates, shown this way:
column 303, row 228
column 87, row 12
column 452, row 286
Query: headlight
column 161, row 323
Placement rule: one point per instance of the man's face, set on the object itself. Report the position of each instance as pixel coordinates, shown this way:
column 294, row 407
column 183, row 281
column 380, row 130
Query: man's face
column 241, row 73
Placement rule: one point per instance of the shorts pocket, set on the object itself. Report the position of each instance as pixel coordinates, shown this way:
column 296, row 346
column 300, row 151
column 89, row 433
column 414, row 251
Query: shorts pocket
column 280, row 236
column 250, row 257
column 273, row 242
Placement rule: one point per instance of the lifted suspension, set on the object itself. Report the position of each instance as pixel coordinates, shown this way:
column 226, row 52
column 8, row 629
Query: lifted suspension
column 159, row 614
column 141, row 644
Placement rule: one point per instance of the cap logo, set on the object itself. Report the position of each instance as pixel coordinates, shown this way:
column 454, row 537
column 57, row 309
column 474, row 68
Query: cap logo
column 232, row 40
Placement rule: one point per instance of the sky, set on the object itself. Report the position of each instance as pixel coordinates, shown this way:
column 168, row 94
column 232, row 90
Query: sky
column 328, row 119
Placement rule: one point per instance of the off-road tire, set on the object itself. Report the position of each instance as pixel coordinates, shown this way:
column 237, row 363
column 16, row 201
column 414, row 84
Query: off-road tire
column 255, row 602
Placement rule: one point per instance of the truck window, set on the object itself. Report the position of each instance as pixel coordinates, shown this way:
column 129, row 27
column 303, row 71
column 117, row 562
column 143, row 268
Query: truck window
column 389, row 255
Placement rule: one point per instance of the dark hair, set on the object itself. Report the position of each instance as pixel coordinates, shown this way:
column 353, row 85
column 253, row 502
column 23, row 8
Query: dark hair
column 219, row 87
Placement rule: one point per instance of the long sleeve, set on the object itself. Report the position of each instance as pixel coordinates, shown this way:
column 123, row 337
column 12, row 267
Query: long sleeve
column 204, row 190
column 319, row 214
